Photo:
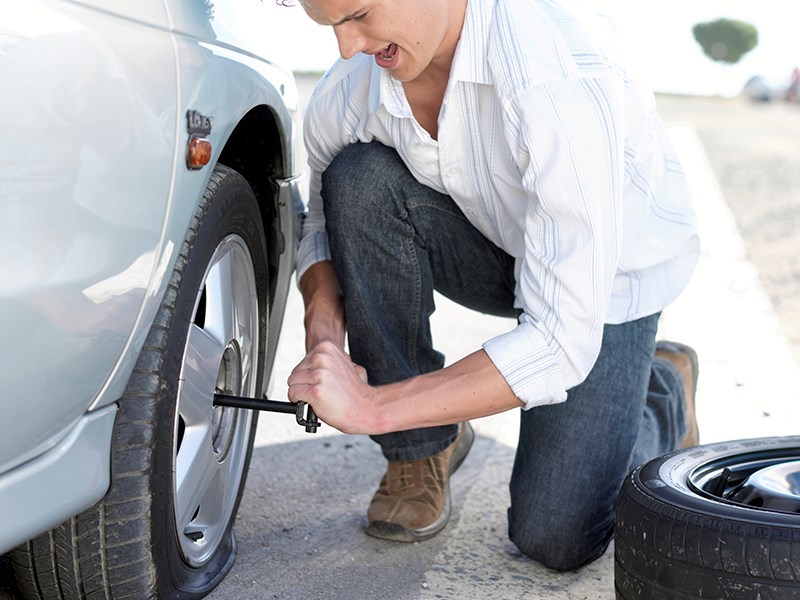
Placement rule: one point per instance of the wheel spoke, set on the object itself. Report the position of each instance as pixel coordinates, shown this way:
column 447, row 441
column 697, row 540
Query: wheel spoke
column 218, row 492
column 220, row 311
column 203, row 355
column 195, row 470
column 245, row 304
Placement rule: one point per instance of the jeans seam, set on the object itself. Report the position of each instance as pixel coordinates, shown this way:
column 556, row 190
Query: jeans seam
column 410, row 204
column 415, row 304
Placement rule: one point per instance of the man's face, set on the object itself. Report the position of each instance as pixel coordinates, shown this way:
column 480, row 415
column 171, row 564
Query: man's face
column 403, row 36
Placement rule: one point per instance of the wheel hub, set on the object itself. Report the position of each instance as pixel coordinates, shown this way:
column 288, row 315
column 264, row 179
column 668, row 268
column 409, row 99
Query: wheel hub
column 223, row 419
column 776, row 487
column 760, row 480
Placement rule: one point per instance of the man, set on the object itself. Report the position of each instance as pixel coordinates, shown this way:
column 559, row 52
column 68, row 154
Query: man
column 498, row 152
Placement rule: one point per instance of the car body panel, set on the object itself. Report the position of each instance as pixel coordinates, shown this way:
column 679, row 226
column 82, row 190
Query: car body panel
column 222, row 84
column 96, row 197
column 89, row 136
column 150, row 12
column 46, row 491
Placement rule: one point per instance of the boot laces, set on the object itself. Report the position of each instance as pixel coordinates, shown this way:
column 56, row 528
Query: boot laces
column 403, row 476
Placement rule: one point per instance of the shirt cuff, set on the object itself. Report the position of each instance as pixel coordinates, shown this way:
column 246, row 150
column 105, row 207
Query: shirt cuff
column 528, row 365
column 313, row 249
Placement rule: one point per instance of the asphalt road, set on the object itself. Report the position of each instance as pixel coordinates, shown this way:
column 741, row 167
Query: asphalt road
column 301, row 519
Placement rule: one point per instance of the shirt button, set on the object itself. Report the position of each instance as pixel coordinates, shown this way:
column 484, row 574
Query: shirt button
column 452, row 171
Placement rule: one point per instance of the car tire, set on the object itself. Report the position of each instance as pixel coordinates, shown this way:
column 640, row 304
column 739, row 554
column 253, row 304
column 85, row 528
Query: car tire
column 720, row 521
column 164, row 529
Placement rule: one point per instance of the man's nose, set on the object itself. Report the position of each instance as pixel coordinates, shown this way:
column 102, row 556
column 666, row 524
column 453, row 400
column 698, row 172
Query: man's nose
column 349, row 39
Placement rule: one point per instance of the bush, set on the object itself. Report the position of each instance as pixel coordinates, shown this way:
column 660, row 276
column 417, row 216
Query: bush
column 725, row 40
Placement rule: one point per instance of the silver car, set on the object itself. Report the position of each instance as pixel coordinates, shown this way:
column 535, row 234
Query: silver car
column 149, row 196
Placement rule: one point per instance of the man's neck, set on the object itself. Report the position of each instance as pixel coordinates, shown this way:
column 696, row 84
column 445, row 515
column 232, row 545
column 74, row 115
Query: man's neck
column 442, row 62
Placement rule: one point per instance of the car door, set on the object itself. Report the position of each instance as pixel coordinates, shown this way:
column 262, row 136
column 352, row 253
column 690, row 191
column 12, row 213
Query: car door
column 88, row 129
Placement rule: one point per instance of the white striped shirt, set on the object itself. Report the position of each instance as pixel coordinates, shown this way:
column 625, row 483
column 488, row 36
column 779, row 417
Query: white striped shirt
column 555, row 155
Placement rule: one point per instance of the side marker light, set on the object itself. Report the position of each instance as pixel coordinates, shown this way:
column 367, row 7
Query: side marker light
column 198, row 152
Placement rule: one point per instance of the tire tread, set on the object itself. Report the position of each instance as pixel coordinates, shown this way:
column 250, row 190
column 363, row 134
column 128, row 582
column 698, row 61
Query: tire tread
column 658, row 542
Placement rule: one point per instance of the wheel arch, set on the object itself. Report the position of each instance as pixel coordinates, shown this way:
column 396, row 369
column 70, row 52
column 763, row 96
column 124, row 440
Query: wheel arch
column 254, row 150
column 257, row 149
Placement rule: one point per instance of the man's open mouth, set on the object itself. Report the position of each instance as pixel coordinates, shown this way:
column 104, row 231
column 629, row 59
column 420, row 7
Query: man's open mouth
column 388, row 52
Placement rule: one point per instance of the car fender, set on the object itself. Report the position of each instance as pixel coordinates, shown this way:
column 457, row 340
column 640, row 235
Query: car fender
column 137, row 164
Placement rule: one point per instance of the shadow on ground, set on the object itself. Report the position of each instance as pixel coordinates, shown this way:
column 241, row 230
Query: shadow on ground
column 300, row 528
column 302, row 518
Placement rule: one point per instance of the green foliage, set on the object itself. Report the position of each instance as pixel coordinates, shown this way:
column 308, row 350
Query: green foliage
column 726, row 40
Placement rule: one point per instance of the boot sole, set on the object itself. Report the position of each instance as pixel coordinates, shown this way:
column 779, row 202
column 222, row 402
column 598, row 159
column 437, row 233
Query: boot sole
column 463, row 447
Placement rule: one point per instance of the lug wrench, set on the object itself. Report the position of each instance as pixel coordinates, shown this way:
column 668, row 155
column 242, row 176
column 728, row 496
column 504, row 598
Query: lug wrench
column 310, row 421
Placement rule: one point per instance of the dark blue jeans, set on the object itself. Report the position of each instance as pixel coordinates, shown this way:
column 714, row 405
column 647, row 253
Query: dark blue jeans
column 393, row 242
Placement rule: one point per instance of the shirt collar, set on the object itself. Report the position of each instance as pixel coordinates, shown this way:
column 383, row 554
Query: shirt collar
column 471, row 62
column 392, row 95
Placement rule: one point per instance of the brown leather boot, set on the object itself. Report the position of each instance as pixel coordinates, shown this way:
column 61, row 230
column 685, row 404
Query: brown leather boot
column 684, row 359
column 413, row 500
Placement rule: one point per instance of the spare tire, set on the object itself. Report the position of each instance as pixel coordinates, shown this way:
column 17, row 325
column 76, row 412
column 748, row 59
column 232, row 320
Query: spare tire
column 720, row 521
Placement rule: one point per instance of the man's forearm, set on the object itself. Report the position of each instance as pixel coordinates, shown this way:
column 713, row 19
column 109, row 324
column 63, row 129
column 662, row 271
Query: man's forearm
column 324, row 306
column 467, row 389
column 338, row 390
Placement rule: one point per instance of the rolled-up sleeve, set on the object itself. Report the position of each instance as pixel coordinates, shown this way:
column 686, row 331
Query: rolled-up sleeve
column 321, row 149
column 528, row 365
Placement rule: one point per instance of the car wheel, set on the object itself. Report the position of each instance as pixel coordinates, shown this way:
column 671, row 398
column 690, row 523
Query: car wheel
column 720, row 521
column 164, row 529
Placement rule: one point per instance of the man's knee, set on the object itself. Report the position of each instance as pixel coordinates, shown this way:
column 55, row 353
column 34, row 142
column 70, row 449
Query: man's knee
column 559, row 541
column 353, row 181
column 361, row 166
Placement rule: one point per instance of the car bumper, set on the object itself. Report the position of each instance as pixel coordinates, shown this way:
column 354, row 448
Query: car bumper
column 59, row 484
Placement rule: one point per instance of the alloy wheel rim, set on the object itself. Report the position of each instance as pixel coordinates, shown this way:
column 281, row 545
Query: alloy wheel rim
column 211, row 443
column 761, row 480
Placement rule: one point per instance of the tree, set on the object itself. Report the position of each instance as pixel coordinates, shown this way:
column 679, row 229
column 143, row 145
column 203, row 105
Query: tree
column 725, row 40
